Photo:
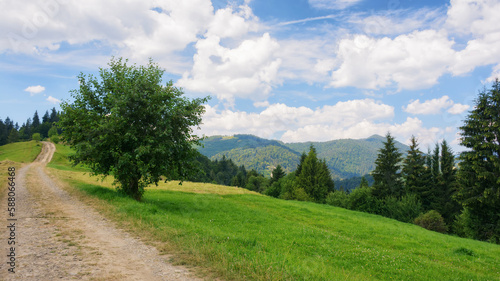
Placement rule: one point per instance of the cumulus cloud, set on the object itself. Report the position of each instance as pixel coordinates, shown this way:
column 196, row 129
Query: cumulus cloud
column 33, row 90
column 412, row 61
column 247, row 71
column 435, row 106
column 53, row 100
column 333, row 4
column 458, row 109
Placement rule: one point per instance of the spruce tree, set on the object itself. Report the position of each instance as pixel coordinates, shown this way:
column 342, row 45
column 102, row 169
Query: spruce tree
column 277, row 174
column 448, row 184
column 414, row 170
column 35, row 124
column 387, row 174
column 479, row 173
column 314, row 177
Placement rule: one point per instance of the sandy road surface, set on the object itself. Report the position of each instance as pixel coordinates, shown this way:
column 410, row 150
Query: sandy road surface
column 59, row 238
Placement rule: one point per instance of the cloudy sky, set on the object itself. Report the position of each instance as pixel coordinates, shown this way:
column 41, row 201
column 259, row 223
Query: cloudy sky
column 292, row 70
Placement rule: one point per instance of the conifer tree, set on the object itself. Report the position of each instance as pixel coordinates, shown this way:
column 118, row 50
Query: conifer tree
column 387, row 174
column 314, row 177
column 277, row 174
column 479, row 173
column 35, row 124
column 414, row 169
column 448, row 184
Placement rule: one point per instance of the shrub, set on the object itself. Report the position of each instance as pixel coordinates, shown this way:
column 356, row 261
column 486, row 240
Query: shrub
column 337, row 199
column 404, row 209
column 432, row 220
column 55, row 139
column 361, row 199
column 36, row 137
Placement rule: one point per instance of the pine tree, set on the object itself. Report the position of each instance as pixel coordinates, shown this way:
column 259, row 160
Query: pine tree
column 414, row 170
column 427, row 193
column 387, row 174
column 479, row 173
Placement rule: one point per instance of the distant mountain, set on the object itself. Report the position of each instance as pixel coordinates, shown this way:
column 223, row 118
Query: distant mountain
column 346, row 158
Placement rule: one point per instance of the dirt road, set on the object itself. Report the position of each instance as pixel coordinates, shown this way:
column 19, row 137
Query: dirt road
column 59, row 238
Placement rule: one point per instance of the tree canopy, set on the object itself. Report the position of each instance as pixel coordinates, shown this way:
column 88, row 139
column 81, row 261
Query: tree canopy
column 126, row 123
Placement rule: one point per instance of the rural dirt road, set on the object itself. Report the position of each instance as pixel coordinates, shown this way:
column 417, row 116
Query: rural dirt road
column 57, row 237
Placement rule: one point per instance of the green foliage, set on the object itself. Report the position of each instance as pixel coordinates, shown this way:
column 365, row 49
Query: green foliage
column 387, row 173
column 277, row 174
column 338, row 199
column 36, row 137
column 361, row 199
column 432, row 220
column 13, row 136
column 314, row 177
column 55, row 139
column 52, row 132
column 479, row 173
column 414, row 169
column 404, row 209
column 127, row 124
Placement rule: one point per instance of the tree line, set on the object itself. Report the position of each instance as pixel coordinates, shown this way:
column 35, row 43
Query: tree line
column 33, row 129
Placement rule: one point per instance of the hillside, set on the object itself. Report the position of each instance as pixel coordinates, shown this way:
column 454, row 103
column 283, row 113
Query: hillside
column 346, row 158
column 239, row 235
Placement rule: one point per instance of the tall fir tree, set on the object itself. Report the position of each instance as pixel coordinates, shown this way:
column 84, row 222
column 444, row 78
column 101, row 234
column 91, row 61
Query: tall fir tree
column 414, row 170
column 35, row 124
column 314, row 177
column 448, row 184
column 277, row 174
column 479, row 173
column 387, row 174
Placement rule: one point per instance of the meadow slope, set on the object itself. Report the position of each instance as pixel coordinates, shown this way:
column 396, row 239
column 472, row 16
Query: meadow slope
column 234, row 234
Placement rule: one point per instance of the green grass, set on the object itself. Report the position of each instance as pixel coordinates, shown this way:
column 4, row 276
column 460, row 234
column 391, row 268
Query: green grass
column 60, row 160
column 243, row 236
column 21, row 152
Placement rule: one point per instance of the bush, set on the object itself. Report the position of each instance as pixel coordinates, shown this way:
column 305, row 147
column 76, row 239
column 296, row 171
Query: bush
column 338, row 199
column 361, row 199
column 432, row 220
column 36, row 137
column 404, row 209
column 55, row 139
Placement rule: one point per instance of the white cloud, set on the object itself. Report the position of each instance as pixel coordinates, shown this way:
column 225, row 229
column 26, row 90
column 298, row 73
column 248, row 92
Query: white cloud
column 294, row 122
column 458, row 109
column 33, row 90
column 412, row 61
column 53, row 100
column 333, row 4
column 435, row 106
column 247, row 71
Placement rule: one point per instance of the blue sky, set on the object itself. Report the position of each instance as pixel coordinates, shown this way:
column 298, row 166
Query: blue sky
column 308, row 70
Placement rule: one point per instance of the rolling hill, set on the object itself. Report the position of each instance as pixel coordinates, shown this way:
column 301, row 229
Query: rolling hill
column 346, row 158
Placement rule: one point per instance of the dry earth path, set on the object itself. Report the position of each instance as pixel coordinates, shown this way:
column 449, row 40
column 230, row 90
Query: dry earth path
column 57, row 237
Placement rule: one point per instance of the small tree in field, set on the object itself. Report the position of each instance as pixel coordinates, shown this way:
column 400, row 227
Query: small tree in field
column 129, row 125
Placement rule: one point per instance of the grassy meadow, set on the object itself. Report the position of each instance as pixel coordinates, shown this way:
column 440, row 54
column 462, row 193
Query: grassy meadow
column 21, row 152
column 235, row 234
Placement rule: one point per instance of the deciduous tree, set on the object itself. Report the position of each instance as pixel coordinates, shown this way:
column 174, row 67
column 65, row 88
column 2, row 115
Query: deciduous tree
column 126, row 123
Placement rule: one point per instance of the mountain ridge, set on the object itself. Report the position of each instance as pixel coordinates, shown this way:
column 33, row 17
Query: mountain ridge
column 345, row 158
